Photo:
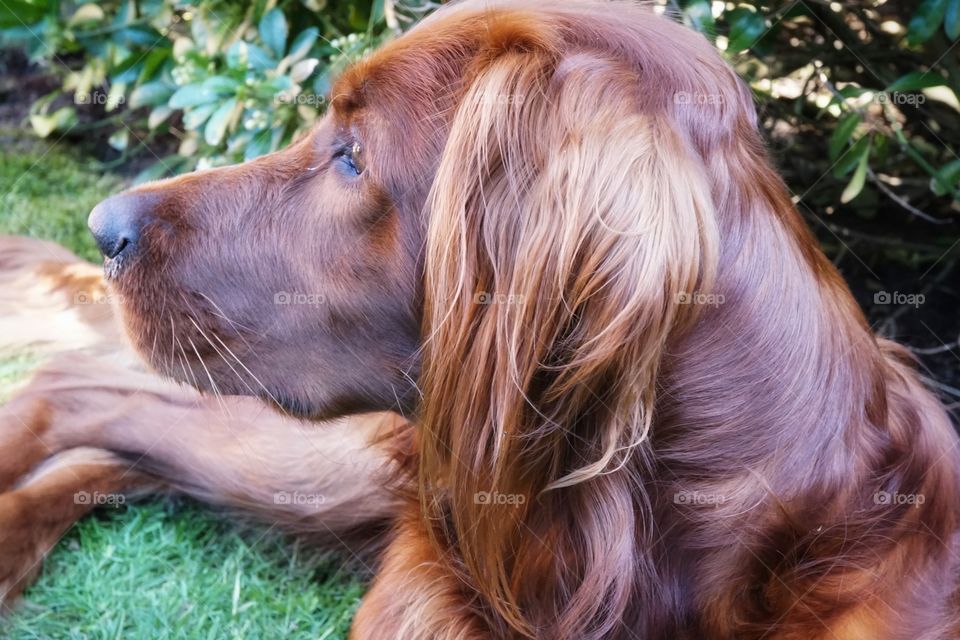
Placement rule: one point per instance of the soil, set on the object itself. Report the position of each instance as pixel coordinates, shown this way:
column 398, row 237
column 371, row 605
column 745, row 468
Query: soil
column 23, row 82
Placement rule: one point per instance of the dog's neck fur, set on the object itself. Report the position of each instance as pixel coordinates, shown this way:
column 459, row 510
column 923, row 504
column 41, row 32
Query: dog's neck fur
column 777, row 420
column 785, row 432
column 780, row 424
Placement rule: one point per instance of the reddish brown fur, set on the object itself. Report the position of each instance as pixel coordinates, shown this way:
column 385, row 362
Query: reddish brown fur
column 540, row 152
column 91, row 421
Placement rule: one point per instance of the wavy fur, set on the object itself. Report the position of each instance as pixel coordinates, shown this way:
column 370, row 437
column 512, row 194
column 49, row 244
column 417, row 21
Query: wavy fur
column 646, row 404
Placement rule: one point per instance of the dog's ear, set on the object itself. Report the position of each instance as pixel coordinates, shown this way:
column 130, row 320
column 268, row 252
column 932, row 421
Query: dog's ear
column 566, row 228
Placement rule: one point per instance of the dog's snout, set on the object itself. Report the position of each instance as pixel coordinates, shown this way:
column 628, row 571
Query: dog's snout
column 116, row 223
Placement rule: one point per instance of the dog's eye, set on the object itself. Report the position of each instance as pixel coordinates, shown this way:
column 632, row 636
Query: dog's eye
column 351, row 157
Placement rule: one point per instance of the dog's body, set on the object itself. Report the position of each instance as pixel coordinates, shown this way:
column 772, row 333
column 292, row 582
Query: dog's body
column 646, row 405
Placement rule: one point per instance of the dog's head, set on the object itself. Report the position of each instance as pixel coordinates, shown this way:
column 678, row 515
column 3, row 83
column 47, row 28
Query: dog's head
column 496, row 223
column 525, row 161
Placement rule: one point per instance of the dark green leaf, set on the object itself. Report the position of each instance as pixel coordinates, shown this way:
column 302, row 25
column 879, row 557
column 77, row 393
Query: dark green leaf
column 150, row 94
column 358, row 20
column 126, row 14
column 16, row 13
column 243, row 55
column 259, row 59
column 951, row 20
column 853, row 91
column 917, row 80
column 700, row 16
column 194, row 118
column 746, row 27
column 273, row 32
column 302, row 43
column 881, row 149
column 948, row 175
column 221, row 85
column 217, row 124
column 138, row 36
column 925, row 21
column 191, row 96
column 859, row 177
column 153, row 61
column 377, row 14
column 849, row 160
column 130, row 74
column 842, row 133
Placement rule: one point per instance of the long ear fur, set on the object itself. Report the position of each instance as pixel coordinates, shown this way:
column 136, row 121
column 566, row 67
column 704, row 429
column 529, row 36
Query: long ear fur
column 565, row 225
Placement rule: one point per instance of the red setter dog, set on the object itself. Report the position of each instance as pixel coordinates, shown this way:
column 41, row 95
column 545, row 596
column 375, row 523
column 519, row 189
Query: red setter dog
column 642, row 402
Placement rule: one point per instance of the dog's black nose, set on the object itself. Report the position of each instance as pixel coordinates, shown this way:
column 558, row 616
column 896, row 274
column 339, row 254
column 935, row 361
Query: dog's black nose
column 116, row 222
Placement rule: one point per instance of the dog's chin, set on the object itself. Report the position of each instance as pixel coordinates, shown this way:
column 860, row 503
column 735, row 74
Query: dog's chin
column 174, row 356
column 201, row 376
column 214, row 383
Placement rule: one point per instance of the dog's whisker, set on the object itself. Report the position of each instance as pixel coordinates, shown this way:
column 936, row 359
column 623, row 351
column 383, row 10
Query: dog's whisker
column 222, row 314
column 249, row 372
column 188, row 370
column 176, row 349
column 220, row 354
column 213, row 385
column 235, row 357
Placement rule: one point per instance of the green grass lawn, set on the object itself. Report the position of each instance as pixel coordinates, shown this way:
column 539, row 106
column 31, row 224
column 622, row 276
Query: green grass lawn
column 47, row 192
column 163, row 568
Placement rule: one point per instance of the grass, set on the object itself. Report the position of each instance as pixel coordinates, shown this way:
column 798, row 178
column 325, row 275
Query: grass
column 47, row 193
column 166, row 568
column 14, row 367
column 170, row 570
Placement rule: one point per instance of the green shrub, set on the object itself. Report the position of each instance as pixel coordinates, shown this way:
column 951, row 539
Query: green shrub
column 879, row 76
column 232, row 80
column 860, row 97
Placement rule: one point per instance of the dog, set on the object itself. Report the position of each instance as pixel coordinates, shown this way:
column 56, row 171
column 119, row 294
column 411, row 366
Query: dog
column 576, row 363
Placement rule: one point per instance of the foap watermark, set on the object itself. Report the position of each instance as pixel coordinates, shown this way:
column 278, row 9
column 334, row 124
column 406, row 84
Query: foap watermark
column 497, row 498
column 97, row 97
column 701, row 99
column 896, row 297
column 898, row 499
column 698, row 498
column 484, row 297
column 97, row 499
column 293, row 297
column 700, row 298
column 301, row 99
column 900, row 99
column 298, row 499
column 97, row 297
column 503, row 98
